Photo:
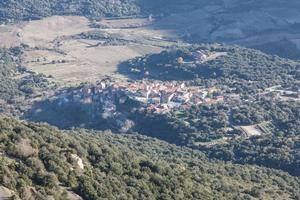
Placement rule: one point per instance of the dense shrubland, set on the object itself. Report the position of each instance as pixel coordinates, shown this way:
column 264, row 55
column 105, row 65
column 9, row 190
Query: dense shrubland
column 211, row 119
column 11, row 10
column 36, row 161
column 278, row 148
column 9, row 86
column 244, row 69
column 18, row 84
column 29, row 9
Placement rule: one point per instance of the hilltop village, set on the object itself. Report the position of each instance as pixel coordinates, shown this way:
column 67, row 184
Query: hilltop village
column 152, row 95
column 157, row 96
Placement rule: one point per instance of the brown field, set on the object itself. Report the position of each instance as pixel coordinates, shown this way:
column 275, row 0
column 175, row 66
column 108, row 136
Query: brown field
column 123, row 23
column 9, row 35
column 52, row 51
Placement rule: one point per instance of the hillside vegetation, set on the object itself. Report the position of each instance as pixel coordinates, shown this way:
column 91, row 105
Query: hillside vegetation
column 242, row 72
column 18, row 85
column 9, row 86
column 29, row 9
column 38, row 161
column 271, row 26
column 242, row 68
column 233, row 112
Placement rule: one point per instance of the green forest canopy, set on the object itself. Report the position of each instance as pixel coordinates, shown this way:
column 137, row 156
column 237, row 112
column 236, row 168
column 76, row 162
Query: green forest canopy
column 40, row 158
column 244, row 68
column 31, row 9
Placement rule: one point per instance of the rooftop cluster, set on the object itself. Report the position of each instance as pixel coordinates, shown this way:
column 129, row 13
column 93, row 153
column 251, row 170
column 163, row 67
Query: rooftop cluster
column 153, row 95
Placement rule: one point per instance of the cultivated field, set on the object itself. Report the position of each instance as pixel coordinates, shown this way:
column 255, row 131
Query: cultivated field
column 53, row 48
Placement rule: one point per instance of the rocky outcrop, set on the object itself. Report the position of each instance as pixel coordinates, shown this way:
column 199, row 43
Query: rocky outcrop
column 5, row 193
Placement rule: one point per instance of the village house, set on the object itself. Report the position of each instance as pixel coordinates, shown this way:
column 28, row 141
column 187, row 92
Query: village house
column 154, row 95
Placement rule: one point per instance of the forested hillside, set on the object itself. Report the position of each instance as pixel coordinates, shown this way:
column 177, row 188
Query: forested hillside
column 18, row 85
column 208, row 120
column 240, row 71
column 245, row 69
column 28, row 9
column 245, row 76
column 39, row 161
column 9, row 86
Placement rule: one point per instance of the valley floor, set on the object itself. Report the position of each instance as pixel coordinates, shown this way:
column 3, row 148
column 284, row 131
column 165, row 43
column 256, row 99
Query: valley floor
column 74, row 50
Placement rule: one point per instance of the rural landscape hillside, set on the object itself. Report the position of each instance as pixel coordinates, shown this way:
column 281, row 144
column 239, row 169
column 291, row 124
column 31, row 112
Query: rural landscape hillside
column 140, row 99
column 271, row 26
column 40, row 162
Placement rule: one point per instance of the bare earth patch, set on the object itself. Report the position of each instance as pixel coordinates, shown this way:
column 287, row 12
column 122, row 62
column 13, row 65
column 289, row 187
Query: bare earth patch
column 5, row 193
column 251, row 131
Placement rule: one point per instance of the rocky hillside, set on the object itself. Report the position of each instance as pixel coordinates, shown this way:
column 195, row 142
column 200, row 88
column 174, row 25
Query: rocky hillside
column 40, row 162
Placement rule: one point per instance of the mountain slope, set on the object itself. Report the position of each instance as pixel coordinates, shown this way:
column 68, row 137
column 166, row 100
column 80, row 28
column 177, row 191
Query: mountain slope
column 271, row 26
column 233, row 66
column 42, row 162
column 245, row 76
column 31, row 9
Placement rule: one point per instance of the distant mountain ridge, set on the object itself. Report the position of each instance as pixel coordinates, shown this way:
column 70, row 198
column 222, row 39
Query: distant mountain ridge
column 271, row 26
